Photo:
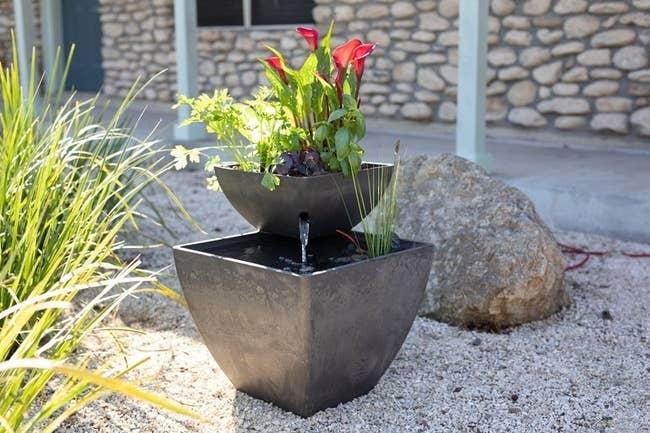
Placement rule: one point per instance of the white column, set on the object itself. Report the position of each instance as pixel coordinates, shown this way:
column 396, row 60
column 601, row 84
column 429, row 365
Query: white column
column 51, row 40
column 248, row 21
column 187, row 60
column 24, row 28
column 472, row 65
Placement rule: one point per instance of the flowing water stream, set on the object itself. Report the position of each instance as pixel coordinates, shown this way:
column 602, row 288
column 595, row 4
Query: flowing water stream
column 303, row 227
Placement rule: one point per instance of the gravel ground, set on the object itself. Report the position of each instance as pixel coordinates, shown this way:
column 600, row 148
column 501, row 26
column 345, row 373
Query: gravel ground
column 585, row 369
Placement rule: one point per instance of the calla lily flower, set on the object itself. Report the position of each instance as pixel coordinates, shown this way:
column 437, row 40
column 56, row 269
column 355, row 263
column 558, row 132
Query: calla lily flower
column 276, row 64
column 342, row 56
column 359, row 58
column 343, row 53
column 311, row 36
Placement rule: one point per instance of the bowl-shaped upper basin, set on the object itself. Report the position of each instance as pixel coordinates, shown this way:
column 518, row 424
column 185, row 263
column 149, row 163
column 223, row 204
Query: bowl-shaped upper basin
column 329, row 200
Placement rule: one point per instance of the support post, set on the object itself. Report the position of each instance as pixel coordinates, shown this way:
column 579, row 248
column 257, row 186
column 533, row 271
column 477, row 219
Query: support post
column 247, row 13
column 186, row 65
column 51, row 40
column 472, row 65
column 24, row 28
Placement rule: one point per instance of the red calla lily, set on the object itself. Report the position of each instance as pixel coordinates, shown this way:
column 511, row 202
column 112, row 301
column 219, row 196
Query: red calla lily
column 359, row 58
column 276, row 64
column 343, row 53
column 342, row 56
column 311, row 36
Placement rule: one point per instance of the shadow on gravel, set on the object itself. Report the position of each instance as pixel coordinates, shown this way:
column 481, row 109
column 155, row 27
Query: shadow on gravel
column 126, row 419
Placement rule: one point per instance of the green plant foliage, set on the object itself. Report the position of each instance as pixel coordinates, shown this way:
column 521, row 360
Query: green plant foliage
column 379, row 211
column 312, row 108
column 68, row 185
column 253, row 133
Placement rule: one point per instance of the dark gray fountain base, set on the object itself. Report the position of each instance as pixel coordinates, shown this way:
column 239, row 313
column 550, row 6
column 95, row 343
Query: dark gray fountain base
column 303, row 340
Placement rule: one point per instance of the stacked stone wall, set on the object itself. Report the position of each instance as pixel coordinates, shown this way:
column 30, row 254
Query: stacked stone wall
column 553, row 64
column 230, row 58
column 137, row 43
column 7, row 24
column 563, row 64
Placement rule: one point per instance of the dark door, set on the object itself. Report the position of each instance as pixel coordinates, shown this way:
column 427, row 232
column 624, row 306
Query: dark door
column 81, row 27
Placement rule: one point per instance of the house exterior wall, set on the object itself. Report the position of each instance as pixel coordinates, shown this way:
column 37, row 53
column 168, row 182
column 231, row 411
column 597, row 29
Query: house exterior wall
column 139, row 41
column 563, row 64
column 7, row 24
column 573, row 65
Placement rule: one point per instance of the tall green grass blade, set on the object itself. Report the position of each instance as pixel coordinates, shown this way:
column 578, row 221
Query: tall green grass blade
column 378, row 212
column 71, row 180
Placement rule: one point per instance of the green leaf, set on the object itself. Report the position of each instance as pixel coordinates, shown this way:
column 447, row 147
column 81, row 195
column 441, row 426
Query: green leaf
column 307, row 101
column 179, row 153
column 330, row 93
column 316, row 103
column 321, row 134
column 213, row 183
column 342, row 143
column 212, row 163
column 308, row 69
column 349, row 102
column 334, row 165
column 347, row 86
column 336, row 115
column 345, row 167
column 361, row 126
column 354, row 147
column 194, row 155
column 355, row 161
column 324, row 53
column 270, row 181
column 328, row 36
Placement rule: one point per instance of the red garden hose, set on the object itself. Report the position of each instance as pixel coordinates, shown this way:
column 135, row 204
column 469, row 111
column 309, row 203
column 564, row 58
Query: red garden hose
column 575, row 250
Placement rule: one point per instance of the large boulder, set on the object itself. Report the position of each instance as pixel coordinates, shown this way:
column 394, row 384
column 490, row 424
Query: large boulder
column 496, row 263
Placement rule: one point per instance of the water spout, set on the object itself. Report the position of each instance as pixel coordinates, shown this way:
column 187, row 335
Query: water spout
column 303, row 227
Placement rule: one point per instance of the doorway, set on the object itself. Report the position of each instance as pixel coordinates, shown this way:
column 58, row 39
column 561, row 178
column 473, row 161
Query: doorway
column 82, row 27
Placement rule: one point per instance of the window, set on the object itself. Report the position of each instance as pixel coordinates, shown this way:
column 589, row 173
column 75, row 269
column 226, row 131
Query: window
column 254, row 12
column 220, row 13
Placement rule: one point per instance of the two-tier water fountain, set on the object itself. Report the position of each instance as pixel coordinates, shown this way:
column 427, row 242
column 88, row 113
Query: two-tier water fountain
column 296, row 314
column 304, row 336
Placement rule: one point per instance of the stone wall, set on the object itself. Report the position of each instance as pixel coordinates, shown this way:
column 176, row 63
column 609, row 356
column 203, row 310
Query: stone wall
column 564, row 64
column 7, row 24
column 554, row 64
column 138, row 42
column 229, row 58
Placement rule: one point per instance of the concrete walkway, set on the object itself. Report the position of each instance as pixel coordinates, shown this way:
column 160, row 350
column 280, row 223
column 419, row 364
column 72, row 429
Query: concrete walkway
column 574, row 187
column 575, row 181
